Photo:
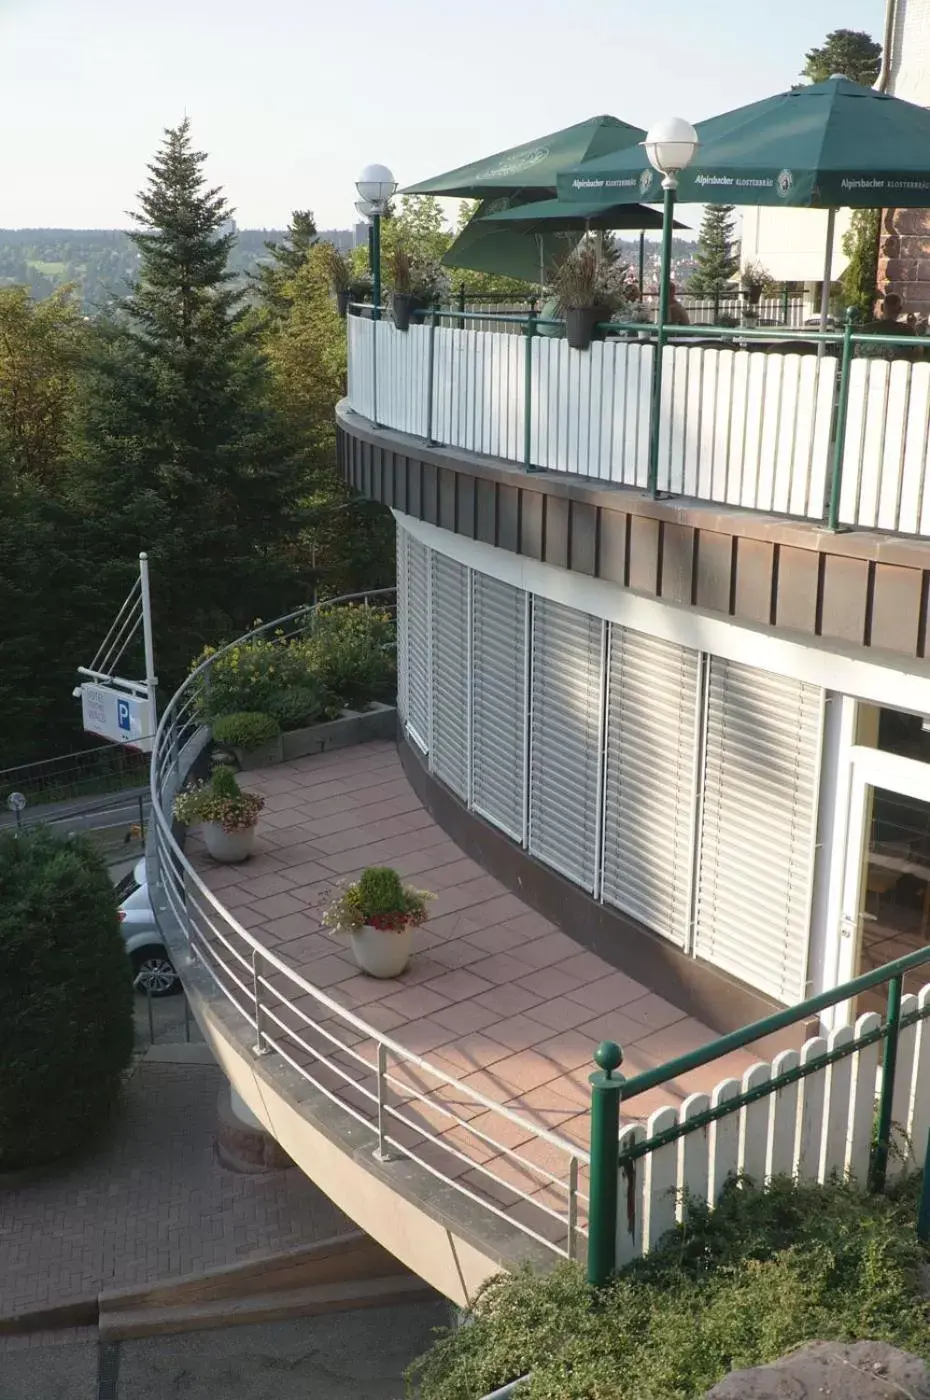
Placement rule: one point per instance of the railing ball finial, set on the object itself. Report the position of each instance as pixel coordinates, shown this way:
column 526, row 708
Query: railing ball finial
column 608, row 1056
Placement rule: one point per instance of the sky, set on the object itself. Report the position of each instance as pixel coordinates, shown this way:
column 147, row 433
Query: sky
column 291, row 98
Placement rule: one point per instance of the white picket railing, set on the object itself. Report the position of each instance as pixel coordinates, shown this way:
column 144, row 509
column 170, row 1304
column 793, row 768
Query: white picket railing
column 885, row 456
column 738, row 427
column 816, row 1127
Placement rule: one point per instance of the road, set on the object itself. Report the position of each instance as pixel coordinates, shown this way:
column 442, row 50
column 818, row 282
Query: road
column 87, row 813
column 346, row 1356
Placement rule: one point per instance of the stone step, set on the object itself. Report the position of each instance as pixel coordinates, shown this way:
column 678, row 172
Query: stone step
column 309, row 1301
column 339, row 1259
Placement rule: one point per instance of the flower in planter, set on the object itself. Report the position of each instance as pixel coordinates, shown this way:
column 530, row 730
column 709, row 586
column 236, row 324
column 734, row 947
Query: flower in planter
column 380, row 900
column 220, row 801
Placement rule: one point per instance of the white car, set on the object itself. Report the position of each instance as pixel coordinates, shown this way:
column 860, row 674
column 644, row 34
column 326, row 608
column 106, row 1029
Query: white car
column 152, row 968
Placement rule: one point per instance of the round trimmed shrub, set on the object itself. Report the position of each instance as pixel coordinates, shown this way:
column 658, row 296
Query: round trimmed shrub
column 246, row 729
column 66, row 1029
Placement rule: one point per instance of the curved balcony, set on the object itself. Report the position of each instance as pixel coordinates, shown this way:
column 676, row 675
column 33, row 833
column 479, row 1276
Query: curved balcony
column 445, row 1112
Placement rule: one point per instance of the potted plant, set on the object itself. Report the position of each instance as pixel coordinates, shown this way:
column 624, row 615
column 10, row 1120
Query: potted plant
column 228, row 814
column 360, row 290
column 377, row 914
column 340, row 278
column 754, row 281
column 589, row 285
column 416, row 283
column 254, row 737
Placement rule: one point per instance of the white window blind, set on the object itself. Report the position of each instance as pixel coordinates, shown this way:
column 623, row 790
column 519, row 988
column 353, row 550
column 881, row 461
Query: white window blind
column 565, row 739
column 450, row 739
column 650, row 781
column 758, row 827
column 417, row 640
column 499, row 703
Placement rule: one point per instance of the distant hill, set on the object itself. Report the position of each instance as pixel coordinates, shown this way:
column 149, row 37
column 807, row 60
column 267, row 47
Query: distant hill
column 102, row 262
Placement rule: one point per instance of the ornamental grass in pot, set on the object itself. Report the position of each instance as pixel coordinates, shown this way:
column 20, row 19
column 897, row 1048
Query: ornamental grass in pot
column 228, row 814
column 378, row 914
column 340, row 278
column 589, row 284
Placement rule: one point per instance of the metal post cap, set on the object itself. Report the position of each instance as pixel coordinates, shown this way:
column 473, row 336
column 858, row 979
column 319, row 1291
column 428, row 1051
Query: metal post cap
column 608, row 1056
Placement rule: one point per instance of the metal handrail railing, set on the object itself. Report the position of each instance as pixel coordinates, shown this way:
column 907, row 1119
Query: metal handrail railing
column 842, row 343
column 265, row 990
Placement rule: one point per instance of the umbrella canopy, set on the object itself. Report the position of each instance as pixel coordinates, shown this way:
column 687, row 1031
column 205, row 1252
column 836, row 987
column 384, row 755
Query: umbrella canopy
column 567, row 215
column 534, row 165
column 508, row 252
column 829, row 145
column 524, row 238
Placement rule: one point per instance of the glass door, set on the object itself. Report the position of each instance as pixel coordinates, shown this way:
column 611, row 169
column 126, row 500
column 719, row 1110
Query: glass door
column 886, row 903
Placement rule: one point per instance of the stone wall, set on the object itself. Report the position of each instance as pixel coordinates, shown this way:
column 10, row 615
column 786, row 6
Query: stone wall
column 904, row 257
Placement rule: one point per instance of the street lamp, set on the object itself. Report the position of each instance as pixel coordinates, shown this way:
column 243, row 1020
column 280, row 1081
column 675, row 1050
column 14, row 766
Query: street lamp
column 375, row 187
column 670, row 146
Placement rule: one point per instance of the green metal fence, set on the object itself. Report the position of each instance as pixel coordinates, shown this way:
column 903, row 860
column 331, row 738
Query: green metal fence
column 614, row 1164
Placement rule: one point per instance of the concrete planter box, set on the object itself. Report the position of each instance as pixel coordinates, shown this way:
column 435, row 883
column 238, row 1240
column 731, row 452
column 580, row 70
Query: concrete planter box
column 352, row 727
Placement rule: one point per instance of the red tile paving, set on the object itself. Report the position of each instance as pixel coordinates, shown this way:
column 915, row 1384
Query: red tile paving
column 496, row 996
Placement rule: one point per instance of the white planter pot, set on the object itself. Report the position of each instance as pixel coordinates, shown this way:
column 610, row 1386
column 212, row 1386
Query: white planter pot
column 381, row 954
column 228, row 846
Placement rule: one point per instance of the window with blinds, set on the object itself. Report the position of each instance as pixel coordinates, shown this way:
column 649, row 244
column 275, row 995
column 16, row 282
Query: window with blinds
column 499, row 703
column 758, row 826
column 651, row 780
column 565, row 739
column 417, row 642
column 450, row 712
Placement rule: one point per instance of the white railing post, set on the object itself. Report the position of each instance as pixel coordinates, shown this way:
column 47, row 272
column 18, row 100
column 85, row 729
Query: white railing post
column 382, row 1153
column 573, row 1208
column 259, row 1048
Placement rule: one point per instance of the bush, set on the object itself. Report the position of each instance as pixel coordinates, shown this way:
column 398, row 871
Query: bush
column 739, row 1287
column 351, row 651
column 302, row 704
column 346, row 660
column 65, row 997
column 247, row 729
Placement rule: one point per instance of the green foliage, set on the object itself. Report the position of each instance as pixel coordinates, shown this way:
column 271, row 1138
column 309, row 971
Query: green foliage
column 859, row 283
column 346, row 659
column 715, row 256
column 246, row 729
column 378, row 898
column 351, row 652
column 40, row 343
column 849, row 52
column 65, row 997
column 381, row 891
column 273, row 278
column 220, row 800
column 738, row 1287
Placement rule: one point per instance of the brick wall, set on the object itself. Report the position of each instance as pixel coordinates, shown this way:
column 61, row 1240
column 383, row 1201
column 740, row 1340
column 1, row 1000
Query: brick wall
column 904, row 252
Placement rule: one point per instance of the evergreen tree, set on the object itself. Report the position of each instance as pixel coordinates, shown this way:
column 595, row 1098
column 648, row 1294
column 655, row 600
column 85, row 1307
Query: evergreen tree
column 287, row 258
column 849, row 52
column 715, row 255
column 185, row 454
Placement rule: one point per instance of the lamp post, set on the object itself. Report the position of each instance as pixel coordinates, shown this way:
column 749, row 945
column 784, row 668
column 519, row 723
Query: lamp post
column 670, row 146
column 375, row 187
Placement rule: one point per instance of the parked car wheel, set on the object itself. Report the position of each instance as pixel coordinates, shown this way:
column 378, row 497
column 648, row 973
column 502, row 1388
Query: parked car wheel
column 153, row 971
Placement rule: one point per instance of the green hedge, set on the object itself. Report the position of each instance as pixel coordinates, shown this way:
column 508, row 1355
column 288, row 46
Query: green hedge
column 66, row 1028
column 346, row 659
column 764, row 1273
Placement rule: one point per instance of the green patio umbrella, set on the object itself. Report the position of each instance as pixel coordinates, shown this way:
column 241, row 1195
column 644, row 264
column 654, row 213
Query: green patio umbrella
column 519, row 237
column 535, row 165
column 828, row 145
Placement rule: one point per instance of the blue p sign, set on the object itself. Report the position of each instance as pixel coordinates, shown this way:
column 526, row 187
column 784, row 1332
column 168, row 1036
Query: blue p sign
column 122, row 715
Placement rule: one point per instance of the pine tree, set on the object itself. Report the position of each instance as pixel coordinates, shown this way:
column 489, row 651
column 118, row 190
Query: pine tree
column 849, row 52
column 715, row 256
column 184, row 452
column 287, row 258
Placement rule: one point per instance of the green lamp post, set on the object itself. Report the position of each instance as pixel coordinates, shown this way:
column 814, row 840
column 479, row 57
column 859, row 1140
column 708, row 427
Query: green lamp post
column 375, row 186
column 671, row 146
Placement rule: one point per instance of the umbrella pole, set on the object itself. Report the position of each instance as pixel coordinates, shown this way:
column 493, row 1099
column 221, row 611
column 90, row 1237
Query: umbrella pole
column 827, row 276
column 668, row 220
